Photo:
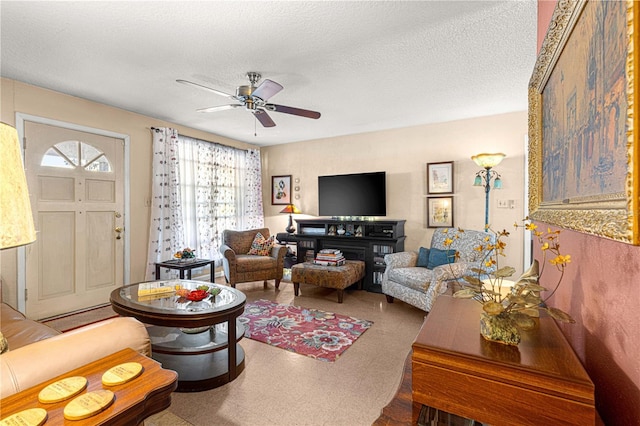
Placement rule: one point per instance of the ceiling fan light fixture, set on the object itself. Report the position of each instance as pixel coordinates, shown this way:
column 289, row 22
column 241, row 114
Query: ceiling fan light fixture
column 244, row 91
column 254, row 99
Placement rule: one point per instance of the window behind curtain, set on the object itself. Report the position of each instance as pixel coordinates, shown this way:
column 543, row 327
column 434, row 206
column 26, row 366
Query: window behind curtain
column 221, row 189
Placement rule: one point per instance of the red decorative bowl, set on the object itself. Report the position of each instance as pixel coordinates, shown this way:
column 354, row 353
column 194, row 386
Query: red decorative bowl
column 197, row 295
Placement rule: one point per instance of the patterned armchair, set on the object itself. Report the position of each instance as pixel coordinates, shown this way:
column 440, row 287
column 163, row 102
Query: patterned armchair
column 240, row 266
column 420, row 286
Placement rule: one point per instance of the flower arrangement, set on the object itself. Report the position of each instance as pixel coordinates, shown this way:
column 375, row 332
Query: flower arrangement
column 509, row 306
column 200, row 293
column 185, row 253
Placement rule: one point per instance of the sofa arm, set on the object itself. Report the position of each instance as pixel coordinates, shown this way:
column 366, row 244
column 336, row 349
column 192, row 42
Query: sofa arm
column 278, row 252
column 451, row 271
column 403, row 259
column 32, row 364
column 228, row 263
column 228, row 253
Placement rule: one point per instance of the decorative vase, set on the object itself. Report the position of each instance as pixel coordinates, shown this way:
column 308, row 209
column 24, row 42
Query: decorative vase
column 499, row 328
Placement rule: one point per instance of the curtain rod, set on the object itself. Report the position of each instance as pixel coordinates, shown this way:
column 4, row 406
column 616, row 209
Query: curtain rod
column 213, row 142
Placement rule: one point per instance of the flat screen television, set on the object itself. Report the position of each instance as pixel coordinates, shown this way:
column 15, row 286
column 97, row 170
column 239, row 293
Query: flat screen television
column 358, row 194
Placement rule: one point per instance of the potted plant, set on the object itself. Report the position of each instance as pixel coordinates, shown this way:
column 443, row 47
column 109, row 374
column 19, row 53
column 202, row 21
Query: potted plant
column 509, row 307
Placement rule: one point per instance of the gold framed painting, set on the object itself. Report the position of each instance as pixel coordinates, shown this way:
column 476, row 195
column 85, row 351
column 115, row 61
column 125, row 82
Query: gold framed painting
column 583, row 164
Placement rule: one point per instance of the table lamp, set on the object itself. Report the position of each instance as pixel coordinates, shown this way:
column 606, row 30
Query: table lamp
column 16, row 219
column 291, row 209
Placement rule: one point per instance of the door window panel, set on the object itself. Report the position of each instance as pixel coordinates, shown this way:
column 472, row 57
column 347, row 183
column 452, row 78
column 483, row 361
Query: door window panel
column 73, row 154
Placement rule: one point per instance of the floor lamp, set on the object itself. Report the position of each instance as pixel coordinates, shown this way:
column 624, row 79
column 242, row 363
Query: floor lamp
column 16, row 219
column 484, row 177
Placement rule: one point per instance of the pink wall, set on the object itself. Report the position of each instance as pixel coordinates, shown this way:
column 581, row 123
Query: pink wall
column 601, row 290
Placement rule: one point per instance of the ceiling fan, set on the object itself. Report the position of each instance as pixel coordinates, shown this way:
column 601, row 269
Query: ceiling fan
column 254, row 99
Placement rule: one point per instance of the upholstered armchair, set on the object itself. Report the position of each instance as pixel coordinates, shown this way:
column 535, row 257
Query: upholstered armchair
column 240, row 266
column 418, row 278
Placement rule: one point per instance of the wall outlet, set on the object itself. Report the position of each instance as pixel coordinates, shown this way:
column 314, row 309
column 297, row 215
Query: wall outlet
column 506, row 204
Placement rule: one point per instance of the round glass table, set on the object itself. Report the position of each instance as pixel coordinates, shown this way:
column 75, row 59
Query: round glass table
column 196, row 338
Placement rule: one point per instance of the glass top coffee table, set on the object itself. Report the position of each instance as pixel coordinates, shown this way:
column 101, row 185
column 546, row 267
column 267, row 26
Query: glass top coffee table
column 197, row 339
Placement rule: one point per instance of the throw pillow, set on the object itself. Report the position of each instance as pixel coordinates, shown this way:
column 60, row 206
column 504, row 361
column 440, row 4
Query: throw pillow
column 4, row 345
column 261, row 246
column 439, row 257
column 423, row 257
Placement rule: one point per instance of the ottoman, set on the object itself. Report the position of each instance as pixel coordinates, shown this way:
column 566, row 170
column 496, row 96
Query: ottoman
column 338, row 277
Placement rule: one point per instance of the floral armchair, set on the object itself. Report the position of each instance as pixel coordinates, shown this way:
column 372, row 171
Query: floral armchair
column 240, row 266
column 420, row 286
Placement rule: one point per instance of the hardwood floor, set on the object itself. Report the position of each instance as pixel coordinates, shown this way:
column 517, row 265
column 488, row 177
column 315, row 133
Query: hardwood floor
column 401, row 410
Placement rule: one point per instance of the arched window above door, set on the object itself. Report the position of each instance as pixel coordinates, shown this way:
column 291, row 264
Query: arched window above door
column 74, row 154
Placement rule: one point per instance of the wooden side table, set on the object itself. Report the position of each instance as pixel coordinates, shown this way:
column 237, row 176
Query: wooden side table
column 541, row 381
column 186, row 266
column 136, row 400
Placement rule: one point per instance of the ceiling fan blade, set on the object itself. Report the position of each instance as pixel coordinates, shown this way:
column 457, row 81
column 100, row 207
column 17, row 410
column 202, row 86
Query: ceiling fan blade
column 266, row 89
column 264, row 118
column 218, row 108
column 295, row 111
column 200, row 86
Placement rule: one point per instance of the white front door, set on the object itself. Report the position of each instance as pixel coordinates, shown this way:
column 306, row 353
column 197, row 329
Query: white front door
column 76, row 183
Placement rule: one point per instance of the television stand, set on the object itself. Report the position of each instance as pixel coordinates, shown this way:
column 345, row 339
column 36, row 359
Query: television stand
column 365, row 240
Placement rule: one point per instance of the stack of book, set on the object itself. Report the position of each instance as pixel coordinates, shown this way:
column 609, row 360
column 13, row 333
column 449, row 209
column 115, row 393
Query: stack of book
column 329, row 257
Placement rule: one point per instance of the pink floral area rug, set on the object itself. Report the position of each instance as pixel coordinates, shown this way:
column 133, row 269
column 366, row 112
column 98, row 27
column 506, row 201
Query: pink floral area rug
column 311, row 332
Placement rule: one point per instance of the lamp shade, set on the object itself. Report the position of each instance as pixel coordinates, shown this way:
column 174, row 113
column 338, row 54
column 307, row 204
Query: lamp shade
column 488, row 161
column 291, row 209
column 16, row 219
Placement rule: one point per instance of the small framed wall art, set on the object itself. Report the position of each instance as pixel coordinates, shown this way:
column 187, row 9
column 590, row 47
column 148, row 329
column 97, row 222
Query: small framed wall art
column 440, row 212
column 281, row 189
column 440, row 178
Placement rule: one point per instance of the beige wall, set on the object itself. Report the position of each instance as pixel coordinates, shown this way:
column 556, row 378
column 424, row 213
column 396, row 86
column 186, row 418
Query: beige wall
column 19, row 97
column 403, row 154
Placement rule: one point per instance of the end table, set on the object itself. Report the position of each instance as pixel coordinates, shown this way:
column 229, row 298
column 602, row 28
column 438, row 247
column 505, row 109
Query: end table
column 186, row 266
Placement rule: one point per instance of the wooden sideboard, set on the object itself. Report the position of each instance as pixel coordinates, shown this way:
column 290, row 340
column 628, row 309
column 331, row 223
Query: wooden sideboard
column 540, row 381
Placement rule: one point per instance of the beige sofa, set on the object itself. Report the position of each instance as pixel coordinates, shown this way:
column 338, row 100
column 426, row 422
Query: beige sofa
column 38, row 353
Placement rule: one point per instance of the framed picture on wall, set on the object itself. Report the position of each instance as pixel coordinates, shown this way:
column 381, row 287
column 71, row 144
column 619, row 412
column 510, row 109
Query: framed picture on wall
column 583, row 162
column 281, row 189
column 440, row 178
column 440, row 212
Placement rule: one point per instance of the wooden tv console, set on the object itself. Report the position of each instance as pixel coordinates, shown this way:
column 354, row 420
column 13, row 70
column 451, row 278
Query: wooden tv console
column 539, row 382
column 366, row 240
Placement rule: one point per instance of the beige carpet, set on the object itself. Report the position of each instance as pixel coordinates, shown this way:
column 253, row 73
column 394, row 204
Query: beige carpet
column 165, row 418
column 283, row 388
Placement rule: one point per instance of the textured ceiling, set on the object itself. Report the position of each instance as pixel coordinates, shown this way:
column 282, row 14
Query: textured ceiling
column 366, row 65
